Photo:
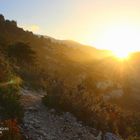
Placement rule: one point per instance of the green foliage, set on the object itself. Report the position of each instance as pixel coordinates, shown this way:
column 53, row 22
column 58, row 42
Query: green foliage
column 9, row 87
column 10, row 104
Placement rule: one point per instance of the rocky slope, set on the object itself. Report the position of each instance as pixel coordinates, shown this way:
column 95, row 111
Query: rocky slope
column 41, row 123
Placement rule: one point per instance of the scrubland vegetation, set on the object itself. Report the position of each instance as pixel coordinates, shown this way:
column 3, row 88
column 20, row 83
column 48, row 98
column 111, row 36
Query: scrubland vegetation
column 69, row 73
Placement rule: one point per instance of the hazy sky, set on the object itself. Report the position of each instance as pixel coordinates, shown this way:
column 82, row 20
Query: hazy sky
column 92, row 22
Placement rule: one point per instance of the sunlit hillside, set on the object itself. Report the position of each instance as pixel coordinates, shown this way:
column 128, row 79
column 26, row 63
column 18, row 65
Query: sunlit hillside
column 99, row 88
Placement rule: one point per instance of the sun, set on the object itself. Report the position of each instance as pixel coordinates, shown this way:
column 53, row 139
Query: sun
column 121, row 54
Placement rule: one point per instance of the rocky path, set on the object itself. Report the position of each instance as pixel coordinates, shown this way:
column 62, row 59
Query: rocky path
column 41, row 123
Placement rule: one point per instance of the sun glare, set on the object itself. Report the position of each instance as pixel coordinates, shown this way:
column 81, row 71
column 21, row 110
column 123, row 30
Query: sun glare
column 121, row 54
column 120, row 39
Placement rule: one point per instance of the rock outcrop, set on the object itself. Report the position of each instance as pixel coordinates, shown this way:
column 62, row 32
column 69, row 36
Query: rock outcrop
column 41, row 123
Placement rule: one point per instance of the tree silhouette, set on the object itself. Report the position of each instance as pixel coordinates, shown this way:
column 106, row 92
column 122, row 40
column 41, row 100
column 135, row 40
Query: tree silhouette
column 21, row 53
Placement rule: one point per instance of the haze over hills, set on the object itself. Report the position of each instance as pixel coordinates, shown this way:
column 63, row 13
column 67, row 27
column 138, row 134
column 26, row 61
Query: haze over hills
column 91, row 83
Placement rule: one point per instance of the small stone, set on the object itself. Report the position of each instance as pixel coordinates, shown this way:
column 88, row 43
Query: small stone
column 52, row 111
column 32, row 109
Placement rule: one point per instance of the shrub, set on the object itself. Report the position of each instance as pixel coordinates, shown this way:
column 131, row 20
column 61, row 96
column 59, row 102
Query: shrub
column 10, row 104
column 93, row 110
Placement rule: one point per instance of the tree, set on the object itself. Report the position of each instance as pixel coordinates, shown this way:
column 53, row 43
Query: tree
column 2, row 18
column 21, row 53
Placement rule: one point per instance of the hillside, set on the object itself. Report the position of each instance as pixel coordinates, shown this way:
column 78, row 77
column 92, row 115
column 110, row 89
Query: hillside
column 90, row 83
